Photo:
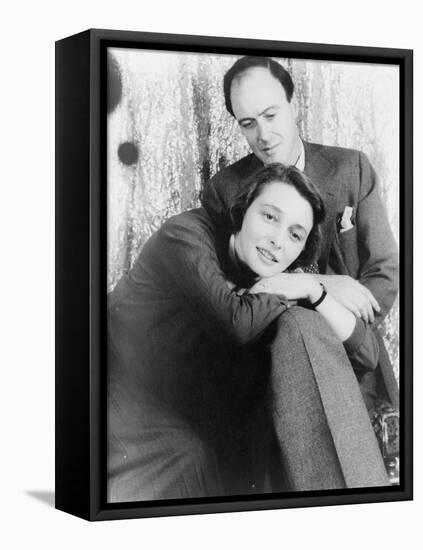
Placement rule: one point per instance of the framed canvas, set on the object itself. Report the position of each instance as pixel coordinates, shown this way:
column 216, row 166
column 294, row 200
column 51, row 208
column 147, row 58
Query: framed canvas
column 233, row 274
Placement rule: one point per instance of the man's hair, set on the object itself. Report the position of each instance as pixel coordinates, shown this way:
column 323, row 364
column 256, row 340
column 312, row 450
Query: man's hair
column 249, row 62
column 290, row 175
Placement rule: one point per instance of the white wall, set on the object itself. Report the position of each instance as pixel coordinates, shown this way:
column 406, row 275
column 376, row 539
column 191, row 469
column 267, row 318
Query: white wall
column 27, row 37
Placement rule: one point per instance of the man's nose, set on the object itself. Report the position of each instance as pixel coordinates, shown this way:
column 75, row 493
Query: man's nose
column 263, row 131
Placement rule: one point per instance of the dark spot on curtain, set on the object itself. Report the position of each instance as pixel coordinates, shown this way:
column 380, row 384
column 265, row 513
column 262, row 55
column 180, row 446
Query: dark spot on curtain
column 128, row 153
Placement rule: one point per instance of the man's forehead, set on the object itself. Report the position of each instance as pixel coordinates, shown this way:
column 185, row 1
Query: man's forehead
column 256, row 80
column 254, row 73
column 255, row 89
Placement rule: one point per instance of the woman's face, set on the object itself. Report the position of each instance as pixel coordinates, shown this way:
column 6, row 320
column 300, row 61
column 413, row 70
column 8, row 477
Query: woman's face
column 274, row 230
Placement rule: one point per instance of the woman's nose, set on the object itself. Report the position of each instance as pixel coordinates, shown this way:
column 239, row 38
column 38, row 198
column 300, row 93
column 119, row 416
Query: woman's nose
column 277, row 241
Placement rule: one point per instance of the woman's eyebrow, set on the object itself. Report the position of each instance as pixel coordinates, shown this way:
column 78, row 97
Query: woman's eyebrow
column 300, row 227
column 273, row 206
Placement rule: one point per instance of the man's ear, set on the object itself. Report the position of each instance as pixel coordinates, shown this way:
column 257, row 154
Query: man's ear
column 294, row 106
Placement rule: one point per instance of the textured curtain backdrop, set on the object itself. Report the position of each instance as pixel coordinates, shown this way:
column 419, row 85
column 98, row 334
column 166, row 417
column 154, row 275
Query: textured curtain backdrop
column 168, row 131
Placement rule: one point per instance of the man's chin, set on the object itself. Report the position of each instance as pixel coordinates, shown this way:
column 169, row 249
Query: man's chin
column 272, row 158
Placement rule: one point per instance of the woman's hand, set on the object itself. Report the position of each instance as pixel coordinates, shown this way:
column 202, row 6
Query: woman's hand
column 294, row 286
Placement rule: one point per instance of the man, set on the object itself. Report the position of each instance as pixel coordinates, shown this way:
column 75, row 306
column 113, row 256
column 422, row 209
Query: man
column 358, row 262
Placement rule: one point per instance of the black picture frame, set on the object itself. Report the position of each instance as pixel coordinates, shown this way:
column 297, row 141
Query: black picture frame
column 81, row 223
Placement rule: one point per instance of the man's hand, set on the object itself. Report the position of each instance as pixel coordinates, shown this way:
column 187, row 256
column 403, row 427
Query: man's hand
column 352, row 295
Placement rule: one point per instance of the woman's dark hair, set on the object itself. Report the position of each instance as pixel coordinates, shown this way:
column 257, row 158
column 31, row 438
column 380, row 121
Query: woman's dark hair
column 290, row 175
column 249, row 62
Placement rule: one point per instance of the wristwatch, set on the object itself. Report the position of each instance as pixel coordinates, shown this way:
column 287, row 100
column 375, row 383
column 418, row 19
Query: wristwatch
column 322, row 297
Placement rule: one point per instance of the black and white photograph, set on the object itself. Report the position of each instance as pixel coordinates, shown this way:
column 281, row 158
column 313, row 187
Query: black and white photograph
column 210, row 231
column 253, row 318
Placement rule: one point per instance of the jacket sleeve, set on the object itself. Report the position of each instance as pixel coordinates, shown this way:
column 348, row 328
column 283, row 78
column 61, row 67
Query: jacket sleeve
column 376, row 244
column 210, row 197
column 219, row 192
column 362, row 347
column 187, row 255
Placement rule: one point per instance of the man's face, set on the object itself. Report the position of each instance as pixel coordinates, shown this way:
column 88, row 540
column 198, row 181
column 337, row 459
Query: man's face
column 265, row 116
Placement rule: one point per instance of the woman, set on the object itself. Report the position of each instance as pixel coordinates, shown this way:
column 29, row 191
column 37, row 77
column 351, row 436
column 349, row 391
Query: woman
column 190, row 369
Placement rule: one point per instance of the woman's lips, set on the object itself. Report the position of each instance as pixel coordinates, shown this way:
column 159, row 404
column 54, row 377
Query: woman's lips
column 267, row 255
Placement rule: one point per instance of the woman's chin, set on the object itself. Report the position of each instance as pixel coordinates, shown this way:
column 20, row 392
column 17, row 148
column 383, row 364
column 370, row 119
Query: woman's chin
column 265, row 273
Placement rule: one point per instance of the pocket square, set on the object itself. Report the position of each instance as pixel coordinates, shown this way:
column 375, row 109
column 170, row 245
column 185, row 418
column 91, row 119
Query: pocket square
column 345, row 223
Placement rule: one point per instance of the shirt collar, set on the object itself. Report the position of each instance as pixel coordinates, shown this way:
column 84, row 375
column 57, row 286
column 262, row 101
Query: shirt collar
column 300, row 164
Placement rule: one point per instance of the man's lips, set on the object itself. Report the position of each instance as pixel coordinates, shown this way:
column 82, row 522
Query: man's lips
column 269, row 150
column 267, row 255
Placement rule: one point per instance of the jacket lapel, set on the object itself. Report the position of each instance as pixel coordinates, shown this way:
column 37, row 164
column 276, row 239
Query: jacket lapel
column 319, row 168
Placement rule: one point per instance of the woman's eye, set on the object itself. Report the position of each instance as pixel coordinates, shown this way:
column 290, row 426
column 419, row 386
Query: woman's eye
column 269, row 217
column 296, row 236
column 270, row 116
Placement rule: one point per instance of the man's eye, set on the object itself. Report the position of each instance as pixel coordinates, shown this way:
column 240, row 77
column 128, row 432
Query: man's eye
column 270, row 116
